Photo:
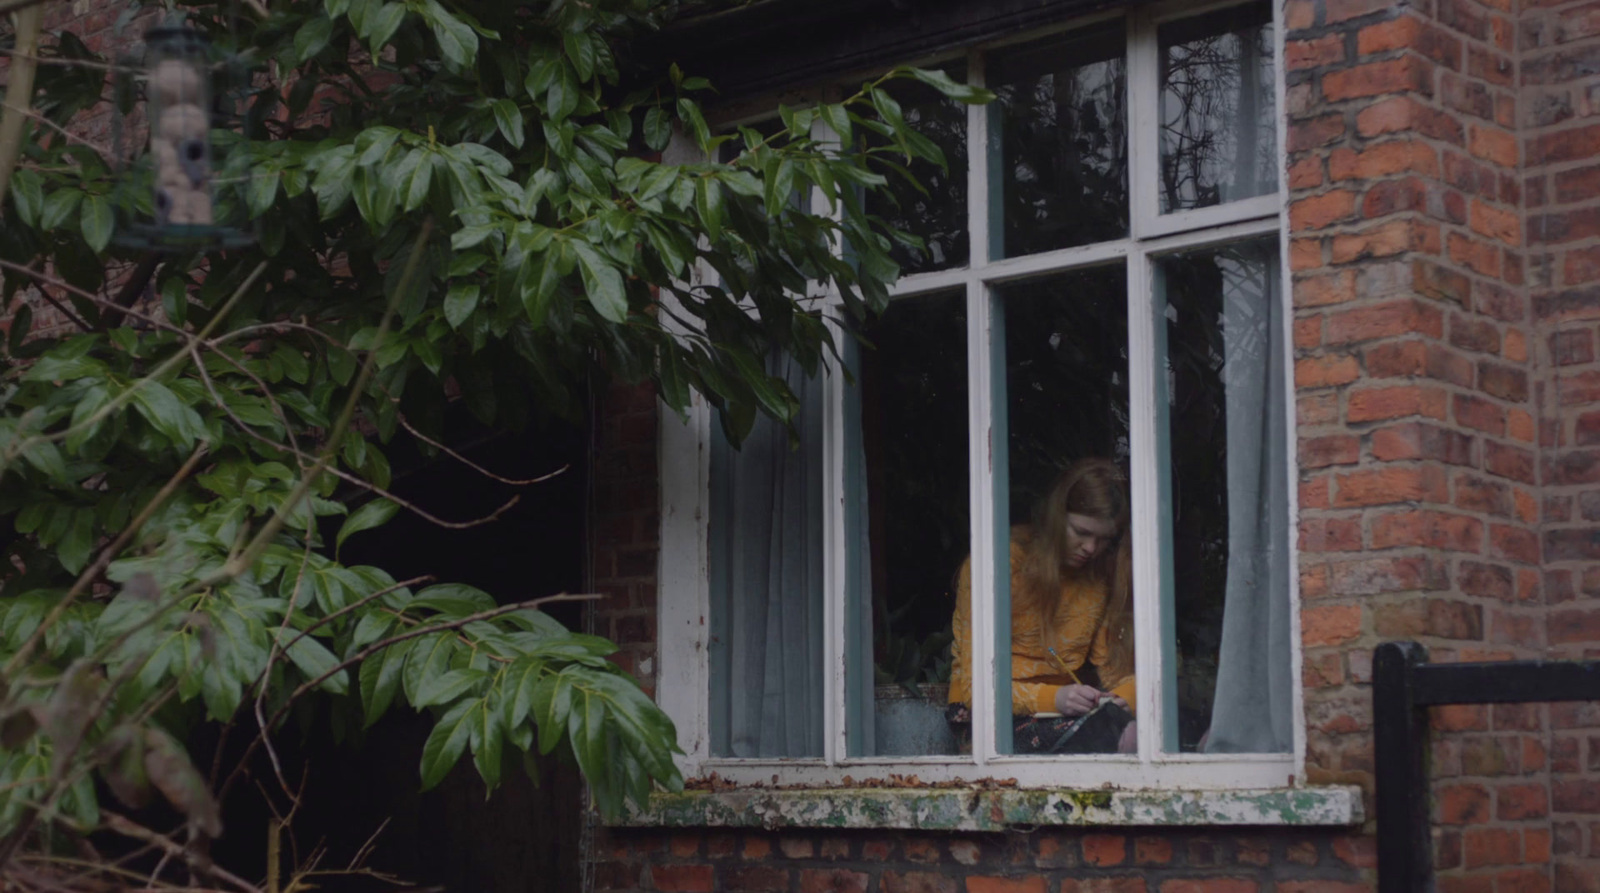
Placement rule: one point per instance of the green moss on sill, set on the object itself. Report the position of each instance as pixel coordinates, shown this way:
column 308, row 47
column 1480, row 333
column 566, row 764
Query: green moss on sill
column 979, row 809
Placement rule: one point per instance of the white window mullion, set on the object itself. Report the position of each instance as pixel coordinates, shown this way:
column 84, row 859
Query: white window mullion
column 835, row 609
column 836, row 602
column 683, row 683
column 1292, row 466
column 980, row 443
column 982, row 629
column 1143, row 367
column 1143, row 104
column 1144, row 206
column 1243, row 209
column 978, row 167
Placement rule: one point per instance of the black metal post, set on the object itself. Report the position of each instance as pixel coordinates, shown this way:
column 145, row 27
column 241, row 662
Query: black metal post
column 1404, row 686
column 1400, row 730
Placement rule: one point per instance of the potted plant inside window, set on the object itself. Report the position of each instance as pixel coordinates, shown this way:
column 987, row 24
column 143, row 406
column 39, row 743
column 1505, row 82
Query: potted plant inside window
column 913, row 685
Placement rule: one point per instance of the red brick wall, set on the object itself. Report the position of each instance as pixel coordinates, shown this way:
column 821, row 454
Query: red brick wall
column 1560, row 142
column 1419, row 370
column 625, row 527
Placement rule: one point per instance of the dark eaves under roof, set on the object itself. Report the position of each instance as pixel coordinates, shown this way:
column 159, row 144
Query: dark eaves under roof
column 766, row 46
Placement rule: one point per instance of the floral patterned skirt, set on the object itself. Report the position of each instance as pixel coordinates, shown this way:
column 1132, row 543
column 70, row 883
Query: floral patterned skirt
column 1051, row 733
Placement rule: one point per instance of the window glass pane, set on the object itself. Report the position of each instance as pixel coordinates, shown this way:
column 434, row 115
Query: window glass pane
column 913, row 436
column 1066, row 413
column 1229, row 532
column 1218, row 123
column 939, row 215
column 1062, row 128
column 766, row 541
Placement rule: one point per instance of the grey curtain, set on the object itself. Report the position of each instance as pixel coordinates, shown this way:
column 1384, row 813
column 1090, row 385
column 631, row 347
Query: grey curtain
column 1251, row 711
column 766, row 572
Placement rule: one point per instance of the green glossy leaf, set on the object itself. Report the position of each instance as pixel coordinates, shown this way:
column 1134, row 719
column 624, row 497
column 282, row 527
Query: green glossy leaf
column 457, row 41
column 167, row 414
column 58, row 208
column 562, row 98
column 468, row 236
column 694, row 121
column 381, row 25
column 380, row 679
column 446, row 687
column 488, row 737
column 602, row 283
column 312, row 37
column 429, row 657
column 97, row 222
column 708, row 201
column 416, row 188
column 374, row 625
column 657, row 128
column 446, row 742
column 454, row 599
column 838, row 119
column 947, row 85
column 313, row 659
column 261, row 191
column 509, row 119
column 27, row 196
column 459, row 302
column 580, row 49
column 334, row 180
column 373, row 514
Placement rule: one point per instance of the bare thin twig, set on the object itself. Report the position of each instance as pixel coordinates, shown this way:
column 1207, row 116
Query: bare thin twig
column 69, row 136
column 66, row 311
column 66, row 62
column 475, row 466
column 197, row 861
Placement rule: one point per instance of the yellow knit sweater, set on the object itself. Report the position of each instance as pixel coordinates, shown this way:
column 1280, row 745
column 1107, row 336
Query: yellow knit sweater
column 1078, row 636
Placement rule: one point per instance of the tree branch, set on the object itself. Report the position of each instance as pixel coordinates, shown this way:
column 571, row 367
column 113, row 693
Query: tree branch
column 14, row 117
column 197, row 861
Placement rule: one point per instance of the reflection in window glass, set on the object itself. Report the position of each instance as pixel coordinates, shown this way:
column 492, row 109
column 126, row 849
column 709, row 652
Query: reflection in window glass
column 913, row 388
column 766, row 533
column 1062, row 127
column 1229, row 495
column 1066, row 359
column 1218, row 123
column 938, row 215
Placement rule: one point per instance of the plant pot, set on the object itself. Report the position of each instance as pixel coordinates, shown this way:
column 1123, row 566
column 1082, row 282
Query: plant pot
column 908, row 724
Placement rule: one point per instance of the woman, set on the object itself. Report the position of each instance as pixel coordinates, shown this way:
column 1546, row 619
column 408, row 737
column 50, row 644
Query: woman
column 1071, row 610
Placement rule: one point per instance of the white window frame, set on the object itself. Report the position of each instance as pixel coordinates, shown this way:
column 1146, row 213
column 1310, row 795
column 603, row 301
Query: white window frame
column 683, row 681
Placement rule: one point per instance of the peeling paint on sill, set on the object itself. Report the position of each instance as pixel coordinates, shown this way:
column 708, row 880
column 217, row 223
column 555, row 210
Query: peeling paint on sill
column 974, row 809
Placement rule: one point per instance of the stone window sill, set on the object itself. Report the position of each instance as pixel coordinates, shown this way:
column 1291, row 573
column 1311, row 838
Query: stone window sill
column 979, row 809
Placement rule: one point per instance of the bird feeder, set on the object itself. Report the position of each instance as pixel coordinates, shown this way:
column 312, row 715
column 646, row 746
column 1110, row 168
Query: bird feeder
column 180, row 165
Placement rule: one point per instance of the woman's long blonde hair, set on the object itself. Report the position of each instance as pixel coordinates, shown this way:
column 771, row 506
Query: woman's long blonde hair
column 1096, row 488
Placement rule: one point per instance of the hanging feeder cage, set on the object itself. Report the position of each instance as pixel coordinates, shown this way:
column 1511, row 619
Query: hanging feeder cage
column 179, row 168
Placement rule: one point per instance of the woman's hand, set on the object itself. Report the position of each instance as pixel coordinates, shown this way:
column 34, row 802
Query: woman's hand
column 1076, row 700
